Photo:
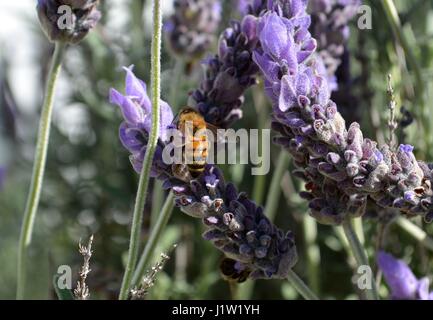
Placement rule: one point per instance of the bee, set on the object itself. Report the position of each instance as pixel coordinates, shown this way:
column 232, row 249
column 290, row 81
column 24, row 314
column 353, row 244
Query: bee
column 230, row 273
column 193, row 127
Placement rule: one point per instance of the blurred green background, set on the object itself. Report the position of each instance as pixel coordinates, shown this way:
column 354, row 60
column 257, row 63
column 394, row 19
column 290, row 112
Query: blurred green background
column 90, row 186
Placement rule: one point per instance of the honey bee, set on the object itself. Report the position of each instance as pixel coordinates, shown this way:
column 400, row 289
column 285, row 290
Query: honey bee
column 230, row 273
column 193, row 127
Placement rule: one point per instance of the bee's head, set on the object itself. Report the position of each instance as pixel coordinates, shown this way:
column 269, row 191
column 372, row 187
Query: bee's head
column 187, row 114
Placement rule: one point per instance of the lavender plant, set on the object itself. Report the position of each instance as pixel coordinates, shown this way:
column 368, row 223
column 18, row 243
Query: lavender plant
column 341, row 168
column 235, row 224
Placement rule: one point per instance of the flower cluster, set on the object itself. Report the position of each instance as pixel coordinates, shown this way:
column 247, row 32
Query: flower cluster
column 191, row 29
column 330, row 27
column 234, row 223
column 342, row 169
column 232, row 70
column 228, row 74
column 401, row 280
column 67, row 20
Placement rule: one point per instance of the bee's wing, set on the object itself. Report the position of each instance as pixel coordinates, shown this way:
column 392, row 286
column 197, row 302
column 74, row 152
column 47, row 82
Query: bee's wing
column 214, row 129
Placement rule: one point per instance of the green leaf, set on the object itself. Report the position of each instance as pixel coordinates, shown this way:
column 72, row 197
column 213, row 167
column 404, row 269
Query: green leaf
column 62, row 294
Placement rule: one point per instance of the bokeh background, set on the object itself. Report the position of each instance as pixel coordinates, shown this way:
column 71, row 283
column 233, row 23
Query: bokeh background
column 90, row 186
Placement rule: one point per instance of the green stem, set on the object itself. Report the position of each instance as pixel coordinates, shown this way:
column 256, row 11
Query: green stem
column 275, row 188
column 395, row 23
column 300, row 286
column 260, row 179
column 143, row 185
column 157, row 202
column 415, row 232
column 312, row 251
column 360, row 255
column 179, row 67
column 155, row 235
column 38, row 168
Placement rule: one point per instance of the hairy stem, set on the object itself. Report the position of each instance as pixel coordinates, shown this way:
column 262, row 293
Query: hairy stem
column 38, row 168
column 137, row 219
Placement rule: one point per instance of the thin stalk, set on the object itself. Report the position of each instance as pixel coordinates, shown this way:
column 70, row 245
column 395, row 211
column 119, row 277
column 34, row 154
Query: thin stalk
column 415, row 232
column 260, row 179
column 360, row 255
column 38, row 167
column 155, row 235
column 179, row 67
column 137, row 219
column 312, row 252
column 157, row 202
column 395, row 23
column 275, row 188
column 300, row 286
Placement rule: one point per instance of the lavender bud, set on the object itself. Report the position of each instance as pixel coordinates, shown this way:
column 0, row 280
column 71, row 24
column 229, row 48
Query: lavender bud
column 67, row 20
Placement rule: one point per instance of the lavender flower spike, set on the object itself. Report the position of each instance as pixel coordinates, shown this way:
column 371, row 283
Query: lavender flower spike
column 58, row 26
column 401, row 280
column 342, row 168
column 235, row 225
column 190, row 31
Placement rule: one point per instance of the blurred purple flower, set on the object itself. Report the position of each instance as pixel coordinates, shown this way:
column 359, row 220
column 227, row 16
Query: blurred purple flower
column 190, row 31
column 401, row 280
column 235, row 225
column 330, row 27
column 58, row 27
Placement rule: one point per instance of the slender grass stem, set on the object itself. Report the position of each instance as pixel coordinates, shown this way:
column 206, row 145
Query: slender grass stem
column 415, row 232
column 157, row 202
column 178, row 69
column 137, row 219
column 300, row 286
column 38, row 168
column 155, row 235
column 360, row 255
column 312, row 252
column 260, row 179
column 275, row 188
column 395, row 23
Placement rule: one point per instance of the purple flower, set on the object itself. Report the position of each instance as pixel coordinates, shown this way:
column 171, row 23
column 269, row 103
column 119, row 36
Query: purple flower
column 235, row 224
column 401, row 280
column 137, row 112
column 341, row 167
column 51, row 15
column 190, row 31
